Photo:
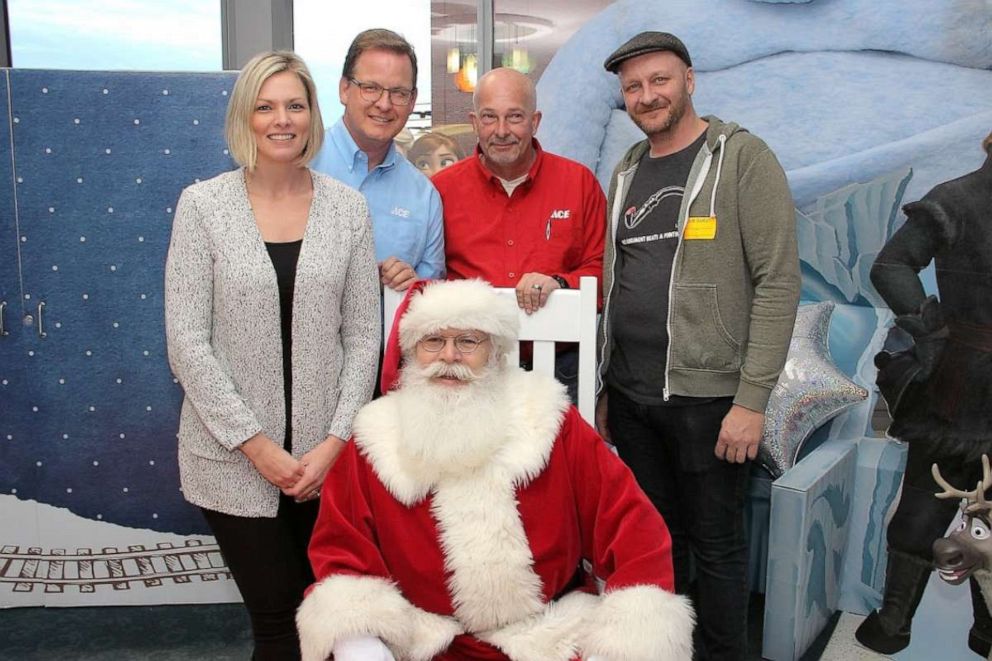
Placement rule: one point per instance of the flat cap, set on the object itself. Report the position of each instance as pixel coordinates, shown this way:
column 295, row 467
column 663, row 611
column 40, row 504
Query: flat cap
column 647, row 42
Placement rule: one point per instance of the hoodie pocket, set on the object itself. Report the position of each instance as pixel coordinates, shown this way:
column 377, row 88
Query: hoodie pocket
column 700, row 339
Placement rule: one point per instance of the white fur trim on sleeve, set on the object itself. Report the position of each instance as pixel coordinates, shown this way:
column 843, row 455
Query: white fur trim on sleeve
column 552, row 635
column 640, row 623
column 342, row 606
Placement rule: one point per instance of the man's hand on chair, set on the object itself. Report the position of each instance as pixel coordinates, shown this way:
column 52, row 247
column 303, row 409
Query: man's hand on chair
column 533, row 291
column 396, row 274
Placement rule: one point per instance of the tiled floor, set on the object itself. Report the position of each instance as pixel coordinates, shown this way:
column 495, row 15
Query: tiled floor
column 843, row 647
column 138, row 633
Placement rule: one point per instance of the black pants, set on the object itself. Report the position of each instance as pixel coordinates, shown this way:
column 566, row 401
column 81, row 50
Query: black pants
column 921, row 518
column 268, row 559
column 670, row 451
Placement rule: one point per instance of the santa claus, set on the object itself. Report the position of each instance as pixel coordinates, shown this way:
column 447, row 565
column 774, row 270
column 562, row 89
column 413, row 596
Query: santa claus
column 476, row 515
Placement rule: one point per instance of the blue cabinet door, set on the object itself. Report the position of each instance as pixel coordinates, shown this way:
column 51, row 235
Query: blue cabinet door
column 18, row 470
column 99, row 161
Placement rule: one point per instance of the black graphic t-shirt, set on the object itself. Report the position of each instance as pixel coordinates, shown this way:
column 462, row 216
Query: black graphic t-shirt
column 647, row 237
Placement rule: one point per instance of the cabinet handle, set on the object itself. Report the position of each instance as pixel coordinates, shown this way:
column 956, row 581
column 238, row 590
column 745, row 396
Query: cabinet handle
column 41, row 325
column 3, row 329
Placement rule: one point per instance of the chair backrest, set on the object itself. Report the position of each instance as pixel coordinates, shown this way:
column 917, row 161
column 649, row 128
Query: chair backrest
column 569, row 316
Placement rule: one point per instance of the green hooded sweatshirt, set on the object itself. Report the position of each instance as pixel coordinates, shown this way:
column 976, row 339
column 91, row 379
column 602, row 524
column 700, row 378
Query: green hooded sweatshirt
column 735, row 287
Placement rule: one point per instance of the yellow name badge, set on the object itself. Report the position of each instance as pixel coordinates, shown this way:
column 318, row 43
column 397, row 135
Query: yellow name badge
column 700, row 227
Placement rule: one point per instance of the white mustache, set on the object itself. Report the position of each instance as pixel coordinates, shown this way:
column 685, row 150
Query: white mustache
column 456, row 370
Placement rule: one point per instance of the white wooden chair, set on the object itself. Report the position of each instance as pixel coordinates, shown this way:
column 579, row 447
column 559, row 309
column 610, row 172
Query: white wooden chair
column 569, row 316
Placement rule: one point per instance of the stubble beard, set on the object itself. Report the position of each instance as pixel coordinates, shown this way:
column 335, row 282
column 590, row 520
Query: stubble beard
column 676, row 110
column 503, row 158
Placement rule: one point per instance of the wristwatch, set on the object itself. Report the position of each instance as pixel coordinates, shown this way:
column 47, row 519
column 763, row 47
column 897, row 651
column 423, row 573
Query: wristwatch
column 562, row 282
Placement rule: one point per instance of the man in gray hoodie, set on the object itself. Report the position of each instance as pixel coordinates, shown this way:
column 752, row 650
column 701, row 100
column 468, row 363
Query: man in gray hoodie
column 701, row 278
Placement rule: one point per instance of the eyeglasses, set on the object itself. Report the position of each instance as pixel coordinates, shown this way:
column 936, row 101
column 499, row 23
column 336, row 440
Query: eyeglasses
column 464, row 344
column 372, row 92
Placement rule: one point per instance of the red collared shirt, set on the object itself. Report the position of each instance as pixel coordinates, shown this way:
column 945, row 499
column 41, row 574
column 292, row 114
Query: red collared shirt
column 554, row 223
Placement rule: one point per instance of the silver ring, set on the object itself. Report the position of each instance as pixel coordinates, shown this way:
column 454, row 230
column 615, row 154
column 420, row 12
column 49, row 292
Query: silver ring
column 536, row 287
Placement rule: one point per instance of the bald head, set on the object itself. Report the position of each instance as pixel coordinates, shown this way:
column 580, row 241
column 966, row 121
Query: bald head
column 505, row 82
column 505, row 119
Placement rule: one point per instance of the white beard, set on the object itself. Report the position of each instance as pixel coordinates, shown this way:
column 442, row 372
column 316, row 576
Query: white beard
column 450, row 430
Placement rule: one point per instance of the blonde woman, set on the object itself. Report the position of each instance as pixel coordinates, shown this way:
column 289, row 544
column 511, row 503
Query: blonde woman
column 272, row 321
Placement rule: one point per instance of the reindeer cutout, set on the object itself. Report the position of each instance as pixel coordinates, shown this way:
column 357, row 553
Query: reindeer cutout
column 967, row 550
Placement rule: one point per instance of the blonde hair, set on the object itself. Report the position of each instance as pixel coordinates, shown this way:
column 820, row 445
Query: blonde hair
column 237, row 126
column 987, row 143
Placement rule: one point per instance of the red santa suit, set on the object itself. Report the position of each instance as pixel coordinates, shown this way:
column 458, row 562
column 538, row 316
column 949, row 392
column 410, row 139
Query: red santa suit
column 480, row 561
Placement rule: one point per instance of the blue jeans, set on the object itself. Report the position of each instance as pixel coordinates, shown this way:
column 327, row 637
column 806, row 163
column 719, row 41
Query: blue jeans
column 670, row 451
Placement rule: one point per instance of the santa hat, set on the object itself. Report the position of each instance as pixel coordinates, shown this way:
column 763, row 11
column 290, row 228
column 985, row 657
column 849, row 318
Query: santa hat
column 431, row 305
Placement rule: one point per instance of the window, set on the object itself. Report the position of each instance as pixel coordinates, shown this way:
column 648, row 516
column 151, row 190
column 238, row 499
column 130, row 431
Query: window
column 178, row 35
column 322, row 32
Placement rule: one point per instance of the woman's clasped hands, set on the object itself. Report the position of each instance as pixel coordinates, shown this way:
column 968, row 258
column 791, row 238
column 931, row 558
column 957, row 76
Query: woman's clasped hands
column 298, row 478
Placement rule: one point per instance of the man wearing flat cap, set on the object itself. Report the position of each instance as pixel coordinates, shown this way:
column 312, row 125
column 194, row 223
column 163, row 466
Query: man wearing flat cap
column 461, row 520
column 701, row 283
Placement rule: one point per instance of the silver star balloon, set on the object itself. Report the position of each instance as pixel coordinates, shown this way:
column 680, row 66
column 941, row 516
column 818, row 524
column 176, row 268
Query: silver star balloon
column 810, row 391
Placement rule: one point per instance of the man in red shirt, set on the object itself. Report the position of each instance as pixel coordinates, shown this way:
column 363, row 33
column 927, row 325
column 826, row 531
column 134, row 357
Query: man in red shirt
column 514, row 214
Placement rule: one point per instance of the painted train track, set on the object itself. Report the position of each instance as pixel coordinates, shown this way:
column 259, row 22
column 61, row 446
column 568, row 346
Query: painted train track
column 87, row 569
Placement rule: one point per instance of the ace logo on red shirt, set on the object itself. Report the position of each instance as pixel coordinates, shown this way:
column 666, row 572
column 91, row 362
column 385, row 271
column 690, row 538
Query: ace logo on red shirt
column 557, row 214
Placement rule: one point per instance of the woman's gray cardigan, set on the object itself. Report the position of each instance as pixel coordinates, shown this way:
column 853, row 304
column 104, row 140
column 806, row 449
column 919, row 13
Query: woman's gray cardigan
column 225, row 347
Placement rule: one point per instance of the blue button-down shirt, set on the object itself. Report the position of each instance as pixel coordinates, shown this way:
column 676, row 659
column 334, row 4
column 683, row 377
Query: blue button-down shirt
column 405, row 207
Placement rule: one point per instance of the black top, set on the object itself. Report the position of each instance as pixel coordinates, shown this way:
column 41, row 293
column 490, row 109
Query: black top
column 284, row 257
column 647, row 237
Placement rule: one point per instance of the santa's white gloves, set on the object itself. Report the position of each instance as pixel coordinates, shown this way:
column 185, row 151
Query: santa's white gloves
column 370, row 648
column 361, row 648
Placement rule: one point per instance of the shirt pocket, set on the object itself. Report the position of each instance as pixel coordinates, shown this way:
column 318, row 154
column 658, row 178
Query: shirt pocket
column 700, row 339
column 557, row 248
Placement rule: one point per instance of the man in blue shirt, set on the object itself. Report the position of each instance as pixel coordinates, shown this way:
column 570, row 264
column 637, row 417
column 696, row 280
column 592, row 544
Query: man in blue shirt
column 378, row 89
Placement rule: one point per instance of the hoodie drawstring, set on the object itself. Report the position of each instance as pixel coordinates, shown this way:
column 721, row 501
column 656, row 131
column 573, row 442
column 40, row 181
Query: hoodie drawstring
column 716, row 182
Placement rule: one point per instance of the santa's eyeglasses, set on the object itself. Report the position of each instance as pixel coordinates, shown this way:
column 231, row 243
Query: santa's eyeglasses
column 464, row 344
